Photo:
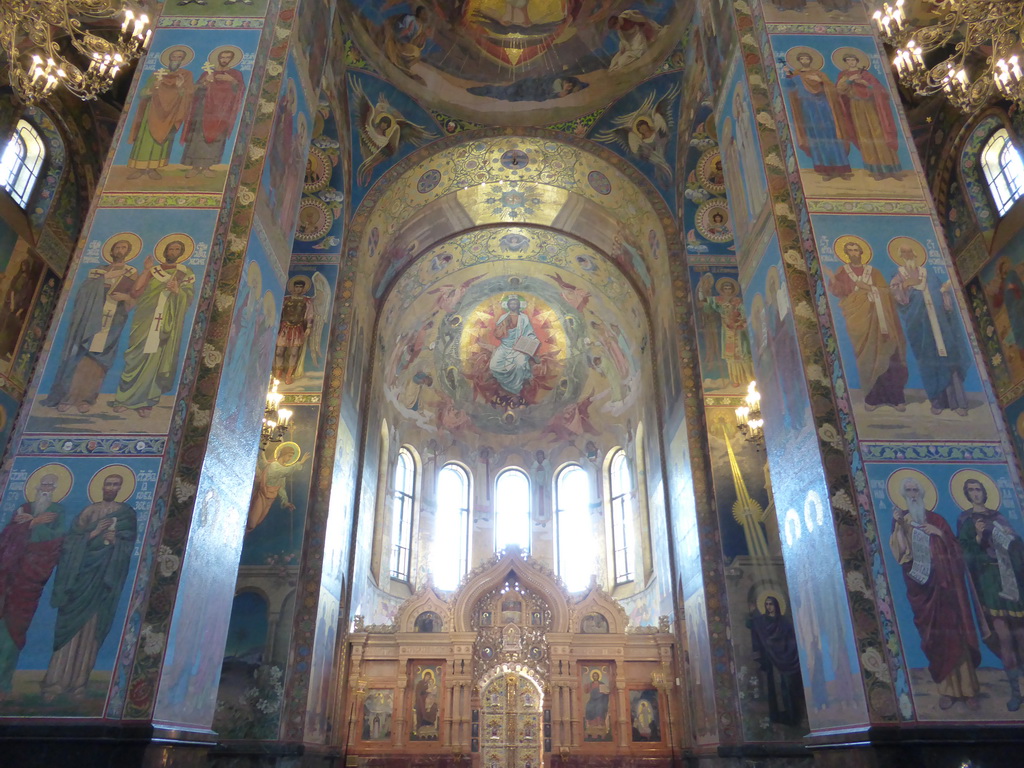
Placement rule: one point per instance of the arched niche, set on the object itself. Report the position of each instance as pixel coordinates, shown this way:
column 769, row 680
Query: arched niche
column 425, row 600
column 492, row 576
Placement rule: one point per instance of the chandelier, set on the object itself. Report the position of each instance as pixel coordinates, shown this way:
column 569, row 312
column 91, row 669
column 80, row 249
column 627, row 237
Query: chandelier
column 276, row 420
column 748, row 416
column 47, row 45
column 968, row 50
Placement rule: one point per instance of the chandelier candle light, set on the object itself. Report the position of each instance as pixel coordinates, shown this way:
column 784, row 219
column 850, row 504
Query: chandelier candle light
column 47, row 45
column 748, row 415
column 276, row 420
column 976, row 45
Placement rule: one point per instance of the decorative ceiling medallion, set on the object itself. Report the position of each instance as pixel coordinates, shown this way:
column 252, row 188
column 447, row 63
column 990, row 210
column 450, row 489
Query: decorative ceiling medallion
column 315, row 220
column 710, row 173
column 318, row 171
column 712, row 221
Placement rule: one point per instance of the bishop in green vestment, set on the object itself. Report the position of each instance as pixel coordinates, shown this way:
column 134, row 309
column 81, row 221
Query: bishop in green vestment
column 164, row 290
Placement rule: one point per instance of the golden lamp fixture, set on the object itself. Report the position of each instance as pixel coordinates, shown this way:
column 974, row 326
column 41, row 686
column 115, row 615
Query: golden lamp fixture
column 967, row 50
column 52, row 44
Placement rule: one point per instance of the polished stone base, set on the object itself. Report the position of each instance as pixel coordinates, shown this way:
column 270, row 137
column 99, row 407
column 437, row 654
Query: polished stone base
column 28, row 745
column 921, row 747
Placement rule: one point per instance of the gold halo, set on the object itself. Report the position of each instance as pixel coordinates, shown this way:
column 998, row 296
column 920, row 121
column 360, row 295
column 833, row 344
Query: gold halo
column 840, row 53
column 757, row 317
column 296, row 278
column 771, row 592
column 895, row 488
column 817, row 60
column 3, row 418
column 64, row 481
column 843, row 240
column 234, row 49
column 723, row 280
column 897, row 242
column 165, row 55
column 269, row 308
column 127, row 487
column 133, row 240
column 254, row 278
column 772, row 277
column 956, row 488
column 289, row 444
column 292, row 89
column 189, row 243
column 1019, row 424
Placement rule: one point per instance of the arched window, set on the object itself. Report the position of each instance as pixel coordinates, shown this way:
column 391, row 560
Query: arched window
column 512, row 512
column 21, row 162
column 402, row 498
column 1004, row 170
column 572, row 527
column 620, row 484
column 451, row 540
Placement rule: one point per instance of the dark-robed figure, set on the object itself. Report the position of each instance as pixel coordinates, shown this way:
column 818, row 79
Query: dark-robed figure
column 774, row 642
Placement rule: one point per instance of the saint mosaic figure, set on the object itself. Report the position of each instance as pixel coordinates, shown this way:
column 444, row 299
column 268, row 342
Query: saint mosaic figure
column 733, row 341
column 819, row 121
column 17, row 299
column 934, row 572
column 303, row 318
column 99, row 314
column 165, row 102
column 90, row 578
column 932, row 326
column 425, row 706
column 773, row 639
column 1010, row 294
column 512, row 360
column 867, row 104
column 404, row 37
column 595, row 710
column 271, row 481
column 30, row 546
column 163, row 293
column 214, row 109
column 872, row 324
column 636, row 34
column 994, row 553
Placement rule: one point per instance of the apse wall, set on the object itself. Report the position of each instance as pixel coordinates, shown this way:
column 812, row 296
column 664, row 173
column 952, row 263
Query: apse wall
column 585, row 393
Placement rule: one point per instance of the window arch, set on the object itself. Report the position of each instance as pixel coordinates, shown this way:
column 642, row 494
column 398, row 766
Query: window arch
column 1004, row 170
column 22, row 162
column 572, row 527
column 620, row 484
column 402, row 500
column 512, row 509
column 450, row 553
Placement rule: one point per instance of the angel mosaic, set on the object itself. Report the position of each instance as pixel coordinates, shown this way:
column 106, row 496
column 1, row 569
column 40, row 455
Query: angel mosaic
column 645, row 132
column 303, row 318
column 382, row 129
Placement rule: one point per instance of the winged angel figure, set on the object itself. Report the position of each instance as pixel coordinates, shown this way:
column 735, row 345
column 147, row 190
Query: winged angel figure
column 303, row 318
column 645, row 132
column 382, row 129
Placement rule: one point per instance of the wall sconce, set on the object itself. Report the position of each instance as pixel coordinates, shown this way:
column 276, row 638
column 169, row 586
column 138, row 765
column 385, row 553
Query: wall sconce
column 748, row 416
column 276, row 420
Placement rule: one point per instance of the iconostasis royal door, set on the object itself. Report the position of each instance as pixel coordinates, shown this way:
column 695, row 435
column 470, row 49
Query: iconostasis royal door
column 511, row 733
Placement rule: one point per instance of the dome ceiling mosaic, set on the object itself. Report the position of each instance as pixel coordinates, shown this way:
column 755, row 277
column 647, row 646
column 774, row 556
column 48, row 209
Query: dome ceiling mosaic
column 517, row 62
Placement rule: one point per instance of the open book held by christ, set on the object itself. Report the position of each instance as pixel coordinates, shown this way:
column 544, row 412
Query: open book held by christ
column 527, row 345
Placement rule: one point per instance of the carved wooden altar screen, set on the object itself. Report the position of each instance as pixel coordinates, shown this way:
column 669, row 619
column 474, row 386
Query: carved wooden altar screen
column 511, row 733
column 512, row 672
